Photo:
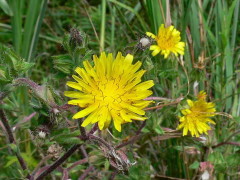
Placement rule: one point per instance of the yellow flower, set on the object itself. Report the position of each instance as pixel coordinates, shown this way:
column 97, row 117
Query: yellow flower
column 111, row 90
column 196, row 118
column 168, row 40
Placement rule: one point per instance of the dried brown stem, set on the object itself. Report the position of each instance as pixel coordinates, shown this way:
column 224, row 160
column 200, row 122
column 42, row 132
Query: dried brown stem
column 163, row 105
column 225, row 143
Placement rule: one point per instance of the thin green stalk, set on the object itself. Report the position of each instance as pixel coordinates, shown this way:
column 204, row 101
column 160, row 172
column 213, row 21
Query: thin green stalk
column 16, row 21
column 29, row 27
column 113, row 27
column 131, row 10
column 37, row 28
column 103, row 24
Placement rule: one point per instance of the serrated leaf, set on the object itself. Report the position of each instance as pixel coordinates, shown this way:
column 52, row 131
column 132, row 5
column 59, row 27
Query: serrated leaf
column 71, row 140
column 63, row 63
column 68, row 138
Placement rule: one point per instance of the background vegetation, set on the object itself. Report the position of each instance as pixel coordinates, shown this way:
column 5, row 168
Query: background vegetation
column 35, row 44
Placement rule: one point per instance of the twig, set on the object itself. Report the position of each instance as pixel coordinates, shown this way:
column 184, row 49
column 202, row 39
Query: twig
column 84, row 152
column 65, row 174
column 84, row 175
column 12, row 140
column 157, row 99
column 134, row 138
column 40, row 164
column 224, row 143
column 26, row 119
column 59, row 161
column 163, row 105
column 82, row 161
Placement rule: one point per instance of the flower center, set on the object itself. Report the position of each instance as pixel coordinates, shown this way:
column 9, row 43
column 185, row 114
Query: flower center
column 165, row 42
column 108, row 93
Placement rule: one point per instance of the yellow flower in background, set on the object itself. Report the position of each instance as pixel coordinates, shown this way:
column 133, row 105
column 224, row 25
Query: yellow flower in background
column 168, row 40
column 111, row 90
column 196, row 118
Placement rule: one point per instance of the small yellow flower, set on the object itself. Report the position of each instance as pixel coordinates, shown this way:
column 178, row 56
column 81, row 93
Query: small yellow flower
column 196, row 118
column 111, row 90
column 168, row 40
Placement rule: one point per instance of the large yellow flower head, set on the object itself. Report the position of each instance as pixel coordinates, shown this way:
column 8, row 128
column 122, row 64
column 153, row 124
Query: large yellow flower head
column 168, row 40
column 111, row 90
column 196, row 118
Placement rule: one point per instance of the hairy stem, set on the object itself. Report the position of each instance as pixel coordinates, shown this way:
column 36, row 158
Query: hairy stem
column 59, row 161
column 82, row 129
column 12, row 140
column 134, row 138
column 84, row 175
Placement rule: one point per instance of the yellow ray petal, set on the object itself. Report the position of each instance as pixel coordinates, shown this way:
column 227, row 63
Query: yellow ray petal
column 85, row 111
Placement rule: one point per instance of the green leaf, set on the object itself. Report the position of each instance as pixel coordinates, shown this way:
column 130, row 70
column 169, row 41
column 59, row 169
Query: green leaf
column 11, row 160
column 233, row 160
column 13, row 147
column 68, row 138
column 63, row 63
column 194, row 165
column 5, row 7
column 19, row 65
column 29, row 159
column 158, row 130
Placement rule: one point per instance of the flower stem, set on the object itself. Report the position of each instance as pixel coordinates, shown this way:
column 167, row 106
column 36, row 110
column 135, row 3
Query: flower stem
column 94, row 128
column 134, row 138
column 59, row 161
column 100, row 141
column 84, row 175
column 82, row 129
column 12, row 140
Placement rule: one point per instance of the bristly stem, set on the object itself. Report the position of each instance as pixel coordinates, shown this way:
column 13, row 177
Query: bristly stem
column 59, row 161
column 82, row 129
column 100, row 141
column 94, row 128
column 134, row 138
column 224, row 143
column 84, row 175
column 12, row 140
